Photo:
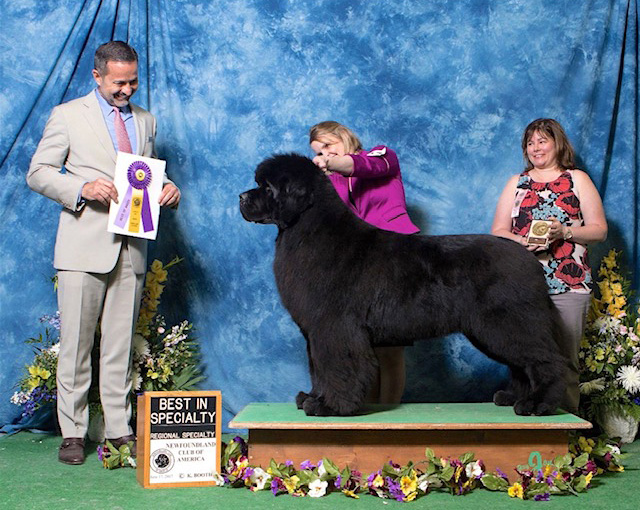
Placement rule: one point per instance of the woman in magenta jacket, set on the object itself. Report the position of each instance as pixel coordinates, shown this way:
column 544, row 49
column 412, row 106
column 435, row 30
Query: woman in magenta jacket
column 370, row 183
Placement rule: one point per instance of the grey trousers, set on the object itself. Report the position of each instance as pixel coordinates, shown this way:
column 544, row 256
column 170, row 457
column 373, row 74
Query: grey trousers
column 573, row 308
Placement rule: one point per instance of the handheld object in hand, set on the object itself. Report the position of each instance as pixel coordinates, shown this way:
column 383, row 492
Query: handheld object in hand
column 539, row 233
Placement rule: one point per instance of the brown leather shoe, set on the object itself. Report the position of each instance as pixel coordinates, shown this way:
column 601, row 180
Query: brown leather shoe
column 71, row 450
column 119, row 441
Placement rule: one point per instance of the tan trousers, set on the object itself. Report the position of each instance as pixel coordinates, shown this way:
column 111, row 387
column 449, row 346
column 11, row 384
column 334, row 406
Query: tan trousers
column 83, row 299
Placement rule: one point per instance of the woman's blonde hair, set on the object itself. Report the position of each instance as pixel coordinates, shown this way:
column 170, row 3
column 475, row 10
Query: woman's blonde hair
column 329, row 127
column 564, row 151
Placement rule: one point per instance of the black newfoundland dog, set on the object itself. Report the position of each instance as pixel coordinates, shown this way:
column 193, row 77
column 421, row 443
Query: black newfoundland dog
column 350, row 286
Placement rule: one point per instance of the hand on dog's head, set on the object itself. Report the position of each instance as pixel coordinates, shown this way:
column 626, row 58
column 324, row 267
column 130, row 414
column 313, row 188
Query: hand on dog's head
column 285, row 190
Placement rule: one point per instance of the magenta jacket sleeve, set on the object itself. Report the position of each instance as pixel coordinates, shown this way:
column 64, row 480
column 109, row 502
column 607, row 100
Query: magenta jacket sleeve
column 374, row 191
column 378, row 162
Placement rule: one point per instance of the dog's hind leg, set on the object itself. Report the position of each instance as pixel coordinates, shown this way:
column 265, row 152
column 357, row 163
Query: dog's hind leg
column 344, row 368
column 547, row 386
column 534, row 360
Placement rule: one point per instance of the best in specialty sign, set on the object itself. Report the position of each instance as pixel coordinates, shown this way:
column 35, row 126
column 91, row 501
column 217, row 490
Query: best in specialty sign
column 178, row 438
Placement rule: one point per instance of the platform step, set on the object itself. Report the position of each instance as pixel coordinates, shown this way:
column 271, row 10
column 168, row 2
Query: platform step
column 401, row 433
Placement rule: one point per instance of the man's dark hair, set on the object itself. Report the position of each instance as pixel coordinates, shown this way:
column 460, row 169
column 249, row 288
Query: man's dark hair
column 113, row 51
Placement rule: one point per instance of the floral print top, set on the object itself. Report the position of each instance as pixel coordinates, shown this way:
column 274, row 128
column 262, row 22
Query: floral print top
column 565, row 263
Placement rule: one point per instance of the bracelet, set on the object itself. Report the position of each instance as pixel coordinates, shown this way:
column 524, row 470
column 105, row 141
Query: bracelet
column 568, row 235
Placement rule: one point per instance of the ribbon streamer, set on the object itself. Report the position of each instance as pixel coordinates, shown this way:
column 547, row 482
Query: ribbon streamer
column 136, row 201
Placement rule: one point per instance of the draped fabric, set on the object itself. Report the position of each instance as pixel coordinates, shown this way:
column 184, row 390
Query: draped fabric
column 449, row 85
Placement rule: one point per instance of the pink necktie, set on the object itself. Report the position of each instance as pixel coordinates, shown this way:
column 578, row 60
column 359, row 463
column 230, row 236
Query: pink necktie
column 124, row 145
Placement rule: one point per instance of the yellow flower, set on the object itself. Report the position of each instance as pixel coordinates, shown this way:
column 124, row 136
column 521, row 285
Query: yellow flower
column 409, row 484
column 155, row 291
column 616, row 288
column 39, row 372
column 584, row 444
column 291, row 483
column 599, row 354
column 161, row 276
column 351, row 494
column 620, row 302
column 411, row 496
column 33, row 382
column 610, row 260
column 605, row 292
column 516, row 491
column 150, row 279
column 378, row 481
column 548, row 469
column 588, row 477
column 239, row 467
column 156, row 266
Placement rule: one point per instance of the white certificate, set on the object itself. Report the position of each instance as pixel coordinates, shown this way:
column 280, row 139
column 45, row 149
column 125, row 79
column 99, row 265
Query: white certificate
column 139, row 184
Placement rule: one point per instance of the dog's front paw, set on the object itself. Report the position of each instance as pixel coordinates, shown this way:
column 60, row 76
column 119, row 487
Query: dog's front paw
column 524, row 407
column 544, row 409
column 504, row 398
column 313, row 406
column 300, row 399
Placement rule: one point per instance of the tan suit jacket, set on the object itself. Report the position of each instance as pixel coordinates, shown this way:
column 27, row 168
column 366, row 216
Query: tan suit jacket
column 76, row 138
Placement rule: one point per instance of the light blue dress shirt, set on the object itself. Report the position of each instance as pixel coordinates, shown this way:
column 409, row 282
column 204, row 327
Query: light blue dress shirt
column 127, row 117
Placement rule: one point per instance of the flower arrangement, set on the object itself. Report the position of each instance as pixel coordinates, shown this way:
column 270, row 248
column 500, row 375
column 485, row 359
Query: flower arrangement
column 38, row 386
column 568, row 474
column 610, row 349
column 313, row 480
column 163, row 359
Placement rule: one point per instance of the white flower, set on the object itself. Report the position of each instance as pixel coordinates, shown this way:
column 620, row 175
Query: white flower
column 589, row 387
column 474, row 469
column 140, row 346
column 20, row 397
column 55, row 349
column 321, row 469
column 217, row 477
column 317, row 488
column 259, row 478
column 613, row 449
column 136, row 378
column 629, row 377
column 423, row 482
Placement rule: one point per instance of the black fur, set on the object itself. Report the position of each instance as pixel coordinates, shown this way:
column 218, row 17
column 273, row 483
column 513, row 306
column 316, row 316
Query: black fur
column 350, row 286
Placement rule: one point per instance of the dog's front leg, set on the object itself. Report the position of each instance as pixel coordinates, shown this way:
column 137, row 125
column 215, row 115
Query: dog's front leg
column 344, row 366
column 301, row 397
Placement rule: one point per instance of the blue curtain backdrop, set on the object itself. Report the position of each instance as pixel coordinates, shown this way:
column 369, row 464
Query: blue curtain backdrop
column 449, row 84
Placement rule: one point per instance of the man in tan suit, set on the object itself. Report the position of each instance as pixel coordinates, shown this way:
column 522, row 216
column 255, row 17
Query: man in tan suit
column 100, row 274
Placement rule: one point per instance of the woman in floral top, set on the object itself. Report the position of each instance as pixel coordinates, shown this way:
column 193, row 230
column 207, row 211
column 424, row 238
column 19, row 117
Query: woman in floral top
column 551, row 189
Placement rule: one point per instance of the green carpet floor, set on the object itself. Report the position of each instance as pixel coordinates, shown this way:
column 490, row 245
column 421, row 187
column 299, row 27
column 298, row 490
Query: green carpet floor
column 32, row 478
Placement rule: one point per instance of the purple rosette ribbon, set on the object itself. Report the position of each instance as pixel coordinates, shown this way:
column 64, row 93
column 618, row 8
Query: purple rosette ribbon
column 139, row 177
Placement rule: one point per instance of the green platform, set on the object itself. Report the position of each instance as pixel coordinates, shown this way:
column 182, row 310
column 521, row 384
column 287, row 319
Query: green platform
column 400, row 433
column 467, row 415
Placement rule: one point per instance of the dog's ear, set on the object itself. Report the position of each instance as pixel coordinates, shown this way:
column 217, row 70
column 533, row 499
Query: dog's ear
column 293, row 197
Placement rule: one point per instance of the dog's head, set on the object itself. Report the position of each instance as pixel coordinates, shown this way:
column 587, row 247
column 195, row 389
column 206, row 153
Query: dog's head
column 284, row 192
